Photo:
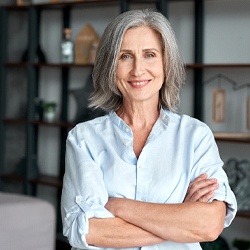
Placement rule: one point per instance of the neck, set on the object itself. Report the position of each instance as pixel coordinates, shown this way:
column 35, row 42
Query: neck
column 139, row 117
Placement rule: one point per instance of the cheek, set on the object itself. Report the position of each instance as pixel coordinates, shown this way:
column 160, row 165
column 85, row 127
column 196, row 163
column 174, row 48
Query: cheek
column 119, row 70
column 120, row 84
column 159, row 73
column 157, row 68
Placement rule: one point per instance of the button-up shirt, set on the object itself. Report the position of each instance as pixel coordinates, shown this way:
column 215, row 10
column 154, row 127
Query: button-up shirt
column 101, row 163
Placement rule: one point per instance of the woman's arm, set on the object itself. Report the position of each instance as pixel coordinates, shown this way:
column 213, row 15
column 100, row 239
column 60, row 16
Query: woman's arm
column 195, row 220
column 115, row 232
column 186, row 222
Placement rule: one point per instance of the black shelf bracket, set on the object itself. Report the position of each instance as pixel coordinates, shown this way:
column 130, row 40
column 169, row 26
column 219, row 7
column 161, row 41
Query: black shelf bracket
column 198, row 58
column 3, row 57
column 124, row 6
column 31, row 143
column 162, row 6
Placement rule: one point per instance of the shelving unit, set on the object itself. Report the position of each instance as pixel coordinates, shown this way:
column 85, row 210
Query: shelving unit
column 32, row 68
column 32, row 71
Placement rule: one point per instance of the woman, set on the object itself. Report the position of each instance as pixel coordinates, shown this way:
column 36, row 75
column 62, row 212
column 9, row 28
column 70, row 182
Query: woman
column 135, row 177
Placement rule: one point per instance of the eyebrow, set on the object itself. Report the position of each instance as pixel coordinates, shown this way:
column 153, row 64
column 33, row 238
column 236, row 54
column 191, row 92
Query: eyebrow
column 144, row 50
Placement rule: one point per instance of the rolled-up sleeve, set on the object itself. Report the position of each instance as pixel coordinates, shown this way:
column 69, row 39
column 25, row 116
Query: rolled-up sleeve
column 84, row 194
column 207, row 160
column 225, row 194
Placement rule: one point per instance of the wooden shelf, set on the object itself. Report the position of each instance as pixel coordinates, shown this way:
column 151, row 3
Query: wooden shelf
column 13, row 177
column 62, row 65
column 51, row 65
column 54, row 124
column 201, row 66
column 40, row 123
column 47, row 180
column 244, row 214
column 16, row 64
column 232, row 137
column 15, row 120
column 16, row 7
column 61, row 5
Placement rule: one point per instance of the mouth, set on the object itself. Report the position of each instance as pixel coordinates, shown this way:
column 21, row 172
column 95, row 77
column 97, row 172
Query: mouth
column 139, row 83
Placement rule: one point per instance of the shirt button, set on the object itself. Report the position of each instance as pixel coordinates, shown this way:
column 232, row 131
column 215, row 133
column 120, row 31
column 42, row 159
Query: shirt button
column 126, row 143
column 127, row 130
column 78, row 199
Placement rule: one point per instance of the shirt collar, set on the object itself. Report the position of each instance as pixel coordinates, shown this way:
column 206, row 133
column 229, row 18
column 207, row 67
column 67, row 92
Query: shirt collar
column 164, row 115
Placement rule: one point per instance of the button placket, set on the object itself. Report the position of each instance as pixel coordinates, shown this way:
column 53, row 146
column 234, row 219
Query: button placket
column 142, row 182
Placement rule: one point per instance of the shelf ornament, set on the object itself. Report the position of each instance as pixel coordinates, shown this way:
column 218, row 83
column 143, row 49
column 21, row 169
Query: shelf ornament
column 238, row 172
column 49, row 111
column 86, row 45
column 219, row 98
column 246, row 85
column 23, row 2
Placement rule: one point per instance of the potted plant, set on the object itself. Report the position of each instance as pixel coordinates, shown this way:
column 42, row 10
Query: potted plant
column 49, row 111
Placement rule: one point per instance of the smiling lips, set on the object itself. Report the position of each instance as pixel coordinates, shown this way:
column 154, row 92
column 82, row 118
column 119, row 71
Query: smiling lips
column 139, row 83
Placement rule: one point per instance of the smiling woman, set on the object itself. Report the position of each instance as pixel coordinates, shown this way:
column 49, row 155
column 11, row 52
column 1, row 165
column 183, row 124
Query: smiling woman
column 142, row 176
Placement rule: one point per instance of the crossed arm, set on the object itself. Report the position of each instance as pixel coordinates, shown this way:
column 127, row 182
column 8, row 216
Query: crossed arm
column 141, row 223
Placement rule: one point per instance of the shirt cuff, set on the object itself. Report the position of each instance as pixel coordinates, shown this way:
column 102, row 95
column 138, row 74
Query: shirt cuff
column 93, row 209
column 224, row 193
column 80, row 226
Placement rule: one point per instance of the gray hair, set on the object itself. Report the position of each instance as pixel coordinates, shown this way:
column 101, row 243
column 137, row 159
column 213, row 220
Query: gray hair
column 106, row 94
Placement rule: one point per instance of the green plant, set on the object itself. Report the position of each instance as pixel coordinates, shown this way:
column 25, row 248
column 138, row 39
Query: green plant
column 49, row 106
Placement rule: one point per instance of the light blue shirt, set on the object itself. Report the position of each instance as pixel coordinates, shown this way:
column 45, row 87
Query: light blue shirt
column 100, row 163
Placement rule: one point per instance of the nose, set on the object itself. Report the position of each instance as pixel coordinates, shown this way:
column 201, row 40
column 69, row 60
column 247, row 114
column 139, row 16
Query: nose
column 138, row 67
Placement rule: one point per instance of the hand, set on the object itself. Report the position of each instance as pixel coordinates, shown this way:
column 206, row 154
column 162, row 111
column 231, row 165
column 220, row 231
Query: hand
column 201, row 189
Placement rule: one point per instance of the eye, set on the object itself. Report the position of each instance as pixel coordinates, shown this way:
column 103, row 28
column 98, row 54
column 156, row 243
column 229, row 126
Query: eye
column 150, row 55
column 125, row 56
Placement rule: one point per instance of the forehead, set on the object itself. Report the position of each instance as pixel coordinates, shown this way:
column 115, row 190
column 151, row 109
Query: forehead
column 142, row 35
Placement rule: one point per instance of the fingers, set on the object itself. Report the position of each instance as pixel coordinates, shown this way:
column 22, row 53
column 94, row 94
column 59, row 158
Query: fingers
column 206, row 197
column 204, row 193
column 201, row 189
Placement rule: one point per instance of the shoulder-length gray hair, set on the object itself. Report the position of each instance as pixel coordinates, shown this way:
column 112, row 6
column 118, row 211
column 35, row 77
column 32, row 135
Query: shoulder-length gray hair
column 106, row 94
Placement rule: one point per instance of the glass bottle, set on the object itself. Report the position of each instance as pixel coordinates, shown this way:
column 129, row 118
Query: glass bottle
column 67, row 47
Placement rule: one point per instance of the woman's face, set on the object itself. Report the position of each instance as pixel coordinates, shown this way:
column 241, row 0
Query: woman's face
column 140, row 73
